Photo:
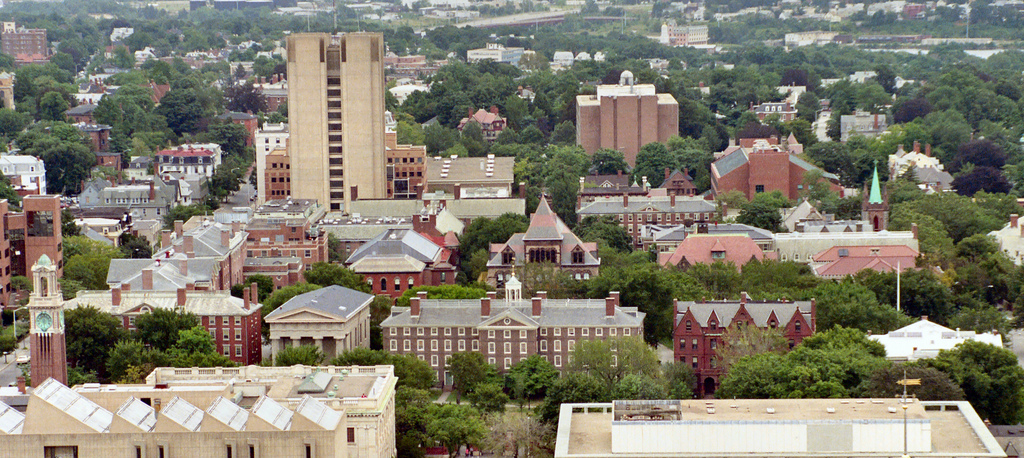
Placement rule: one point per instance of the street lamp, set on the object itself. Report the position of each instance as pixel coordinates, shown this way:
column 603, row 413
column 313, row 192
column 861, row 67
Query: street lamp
column 14, row 323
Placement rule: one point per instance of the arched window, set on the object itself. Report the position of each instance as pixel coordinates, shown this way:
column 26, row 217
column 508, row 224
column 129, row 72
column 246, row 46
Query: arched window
column 398, row 284
column 383, row 284
column 411, row 282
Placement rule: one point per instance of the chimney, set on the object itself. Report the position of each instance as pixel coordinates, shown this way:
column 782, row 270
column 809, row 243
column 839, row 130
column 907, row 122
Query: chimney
column 179, row 226
column 125, row 287
column 181, row 297
column 913, row 228
column 485, row 307
column 494, row 109
column 469, row 113
column 536, row 306
column 814, row 315
column 183, row 267
column 115, row 296
column 609, row 306
column 419, row 191
column 582, row 181
column 152, row 191
column 1013, row 220
column 236, row 227
column 458, row 188
column 165, row 238
column 625, row 199
column 672, row 200
column 225, row 237
column 917, row 146
column 667, row 172
column 245, row 298
column 21, row 384
column 254, row 293
column 187, row 246
column 414, row 307
column 542, row 294
column 147, row 279
column 644, row 185
column 743, row 298
column 354, row 194
column 522, row 189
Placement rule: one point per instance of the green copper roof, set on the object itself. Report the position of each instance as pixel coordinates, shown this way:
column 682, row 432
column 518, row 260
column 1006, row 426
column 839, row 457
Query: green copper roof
column 44, row 261
column 876, row 191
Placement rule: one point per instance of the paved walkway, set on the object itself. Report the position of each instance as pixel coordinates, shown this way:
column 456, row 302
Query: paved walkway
column 443, row 398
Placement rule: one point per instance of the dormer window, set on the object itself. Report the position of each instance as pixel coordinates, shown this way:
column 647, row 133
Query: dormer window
column 577, row 256
column 717, row 255
column 508, row 256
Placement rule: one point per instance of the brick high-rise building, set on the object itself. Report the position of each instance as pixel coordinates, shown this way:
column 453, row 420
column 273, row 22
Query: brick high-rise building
column 35, row 232
column 336, row 125
column 625, row 117
column 25, row 45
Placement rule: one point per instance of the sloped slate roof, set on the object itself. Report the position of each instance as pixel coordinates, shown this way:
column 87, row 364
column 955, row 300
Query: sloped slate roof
column 554, row 312
column 398, row 243
column 333, row 300
column 726, row 311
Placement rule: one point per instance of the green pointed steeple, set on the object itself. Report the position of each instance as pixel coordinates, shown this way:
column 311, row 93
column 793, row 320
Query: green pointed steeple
column 876, row 191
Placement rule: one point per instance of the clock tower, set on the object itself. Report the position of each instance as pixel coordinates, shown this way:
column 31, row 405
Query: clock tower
column 45, row 307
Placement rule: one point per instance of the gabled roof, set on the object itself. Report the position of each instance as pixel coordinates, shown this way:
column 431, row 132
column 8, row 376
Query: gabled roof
column 554, row 312
column 273, row 412
column 229, row 413
column 138, row 413
column 759, row 312
column 738, row 249
column 841, row 261
column 335, row 300
column 183, row 413
column 545, row 224
column 398, row 243
column 662, row 204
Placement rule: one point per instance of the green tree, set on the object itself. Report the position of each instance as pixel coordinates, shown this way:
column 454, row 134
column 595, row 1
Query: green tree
column 609, row 161
column 761, row 214
column 182, row 109
column 488, row 397
column 638, row 386
column 651, row 162
column 740, row 340
column 468, row 369
column 325, row 274
column 160, row 327
column 410, row 370
column 455, row 426
column 992, row 380
column 564, row 133
column 679, row 380
column 90, row 335
column 605, row 230
column 13, row 122
column 538, row 374
column 52, row 107
column 306, row 355
column 935, row 385
column 572, row 387
column 612, row 359
column 183, row 213
column 852, row 305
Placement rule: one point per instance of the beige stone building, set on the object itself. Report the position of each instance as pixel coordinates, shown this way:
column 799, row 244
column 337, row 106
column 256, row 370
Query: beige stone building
column 238, row 412
column 625, row 117
column 335, row 319
column 336, row 124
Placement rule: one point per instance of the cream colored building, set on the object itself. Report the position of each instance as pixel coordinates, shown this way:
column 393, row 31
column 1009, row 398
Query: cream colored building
column 335, row 319
column 238, row 412
column 336, row 121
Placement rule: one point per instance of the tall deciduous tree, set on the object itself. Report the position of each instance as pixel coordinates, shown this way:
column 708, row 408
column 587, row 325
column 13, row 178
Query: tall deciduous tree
column 160, row 327
column 992, row 380
column 90, row 335
column 612, row 359
column 468, row 369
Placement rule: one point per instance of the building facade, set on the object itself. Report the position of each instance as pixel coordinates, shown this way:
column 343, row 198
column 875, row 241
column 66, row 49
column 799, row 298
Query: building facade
column 633, row 213
column 25, row 45
column 490, row 121
column 34, row 232
column 335, row 319
column 336, row 141
column 185, row 160
column 282, row 231
column 401, row 259
column 764, row 168
column 625, row 117
column 673, row 34
column 27, row 173
column 497, row 53
column 234, row 323
column 505, row 332
column 407, row 165
column 699, row 327
column 289, row 412
column 271, row 138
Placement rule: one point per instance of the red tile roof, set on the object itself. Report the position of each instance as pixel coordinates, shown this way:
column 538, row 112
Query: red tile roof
column 738, row 249
column 881, row 258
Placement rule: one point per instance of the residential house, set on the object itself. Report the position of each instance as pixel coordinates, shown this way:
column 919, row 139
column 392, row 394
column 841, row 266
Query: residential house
column 737, row 249
column 633, row 213
column 665, row 238
column 862, row 123
column 785, row 111
column 82, row 114
column 593, row 187
column 840, row 262
column 491, row 123
column 1011, row 239
column 27, row 173
column 247, row 120
column 187, row 160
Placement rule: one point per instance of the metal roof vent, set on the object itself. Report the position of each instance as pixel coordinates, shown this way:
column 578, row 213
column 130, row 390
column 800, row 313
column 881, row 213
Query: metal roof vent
column 770, row 410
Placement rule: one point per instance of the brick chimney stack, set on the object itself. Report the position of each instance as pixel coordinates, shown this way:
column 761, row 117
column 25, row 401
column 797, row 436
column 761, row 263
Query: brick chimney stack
column 254, row 293
column 245, row 298
column 152, row 191
column 179, row 228
column 1013, row 220
column 147, row 279
column 115, row 296
column 625, row 199
column 485, row 307
column 188, row 246
column 181, row 297
column 225, row 238
column 21, row 384
column 610, row 303
column 183, row 267
column 542, row 294
column 414, row 307
column 537, row 302
column 165, row 238
column 522, row 189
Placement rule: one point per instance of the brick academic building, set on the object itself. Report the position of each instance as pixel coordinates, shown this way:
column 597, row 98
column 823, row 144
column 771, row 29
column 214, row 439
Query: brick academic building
column 700, row 327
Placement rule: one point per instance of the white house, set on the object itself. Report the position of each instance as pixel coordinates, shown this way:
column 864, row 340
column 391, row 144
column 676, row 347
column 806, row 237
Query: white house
column 925, row 339
column 27, row 173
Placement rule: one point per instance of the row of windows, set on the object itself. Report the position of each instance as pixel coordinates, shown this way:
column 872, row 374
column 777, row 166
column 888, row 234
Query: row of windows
column 407, row 160
column 678, row 217
column 523, row 334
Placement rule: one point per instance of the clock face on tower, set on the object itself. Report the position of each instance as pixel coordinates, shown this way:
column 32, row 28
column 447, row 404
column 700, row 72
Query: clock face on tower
column 44, row 321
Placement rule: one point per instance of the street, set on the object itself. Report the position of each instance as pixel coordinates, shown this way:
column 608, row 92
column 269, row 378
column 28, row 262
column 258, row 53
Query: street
column 9, row 370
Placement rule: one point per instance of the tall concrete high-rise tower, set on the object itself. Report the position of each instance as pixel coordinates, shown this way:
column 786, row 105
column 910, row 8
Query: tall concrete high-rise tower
column 48, row 347
column 336, row 117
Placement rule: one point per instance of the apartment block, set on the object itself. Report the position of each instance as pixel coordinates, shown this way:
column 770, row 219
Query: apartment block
column 336, row 140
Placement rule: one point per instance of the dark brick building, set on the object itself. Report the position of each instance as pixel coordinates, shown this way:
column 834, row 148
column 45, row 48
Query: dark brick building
column 700, row 325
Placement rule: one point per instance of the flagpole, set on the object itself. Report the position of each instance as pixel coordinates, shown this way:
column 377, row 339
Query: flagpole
column 899, row 269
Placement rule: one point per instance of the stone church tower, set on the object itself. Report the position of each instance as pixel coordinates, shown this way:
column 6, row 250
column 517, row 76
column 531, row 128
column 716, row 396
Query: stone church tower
column 875, row 208
column 45, row 307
